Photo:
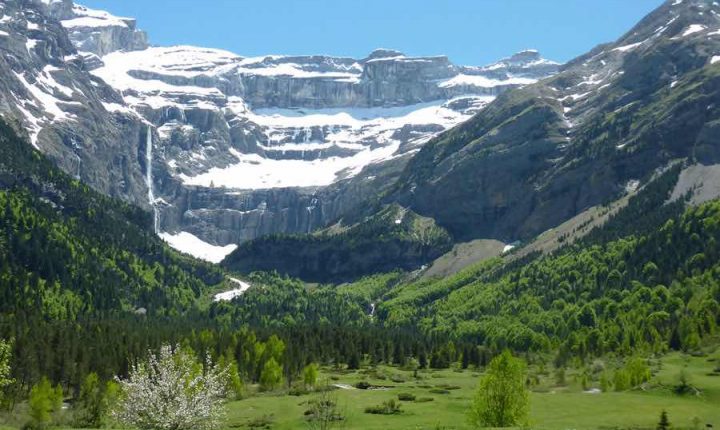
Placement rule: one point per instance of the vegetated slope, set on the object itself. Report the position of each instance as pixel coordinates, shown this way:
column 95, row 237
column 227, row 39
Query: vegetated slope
column 391, row 239
column 67, row 252
column 649, row 291
column 543, row 153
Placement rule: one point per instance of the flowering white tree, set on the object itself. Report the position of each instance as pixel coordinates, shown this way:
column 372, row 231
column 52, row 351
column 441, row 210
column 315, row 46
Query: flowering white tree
column 172, row 391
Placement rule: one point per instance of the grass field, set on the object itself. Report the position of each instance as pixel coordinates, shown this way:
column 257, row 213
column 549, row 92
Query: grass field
column 553, row 406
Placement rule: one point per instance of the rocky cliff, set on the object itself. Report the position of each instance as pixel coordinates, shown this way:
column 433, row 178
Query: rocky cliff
column 601, row 127
column 607, row 124
column 221, row 146
column 48, row 93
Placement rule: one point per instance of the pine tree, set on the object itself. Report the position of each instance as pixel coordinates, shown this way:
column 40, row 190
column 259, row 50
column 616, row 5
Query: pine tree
column 664, row 423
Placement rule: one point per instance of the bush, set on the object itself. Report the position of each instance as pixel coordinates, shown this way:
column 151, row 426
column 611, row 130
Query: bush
column 310, row 375
column 271, row 375
column 501, row 399
column 324, row 413
column 424, row 399
column 406, row 397
column 440, row 391
column 298, row 391
column 448, row 386
column 391, row 407
column 398, row 379
column 363, row 385
column 94, row 402
column 263, row 422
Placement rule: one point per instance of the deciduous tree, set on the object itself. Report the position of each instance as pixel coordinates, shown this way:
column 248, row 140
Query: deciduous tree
column 169, row 391
column 502, row 398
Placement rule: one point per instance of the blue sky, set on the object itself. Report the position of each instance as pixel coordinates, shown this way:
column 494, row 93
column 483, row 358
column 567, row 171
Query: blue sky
column 471, row 32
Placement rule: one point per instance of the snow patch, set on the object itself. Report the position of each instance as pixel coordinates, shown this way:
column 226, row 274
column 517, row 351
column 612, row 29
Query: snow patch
column 632, row 185
column 629, row 47
column 344, row 386
column 715, row 59
column 192, row 245
column 235, row 292
column 48, row 103
column 694, row 28
column 86, row 17
column 256, row 172
column 482, row 81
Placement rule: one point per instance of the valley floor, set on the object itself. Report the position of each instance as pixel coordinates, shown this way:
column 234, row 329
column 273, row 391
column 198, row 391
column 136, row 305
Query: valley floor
column 553, row 406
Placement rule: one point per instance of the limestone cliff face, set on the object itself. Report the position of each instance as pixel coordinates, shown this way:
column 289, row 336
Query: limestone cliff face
column 94, row 31
column 607, row 122
column 226, row 147
column 47, row 92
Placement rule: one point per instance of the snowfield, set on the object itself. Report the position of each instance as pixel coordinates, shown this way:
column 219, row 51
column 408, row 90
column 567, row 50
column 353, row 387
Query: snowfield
column 192, row 245
column 231, row 294
column 351, row 127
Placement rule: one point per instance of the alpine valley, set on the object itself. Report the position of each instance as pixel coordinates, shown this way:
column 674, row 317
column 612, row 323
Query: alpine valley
column 332, row 242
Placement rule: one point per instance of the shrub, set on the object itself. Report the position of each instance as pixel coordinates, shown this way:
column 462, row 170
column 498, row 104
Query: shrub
column 298, row 391
column 310, row 375
column 263, row 422
column 363, row 385
column 398, row 379
column 406, row 397
column 324, row 413
column 391, row 407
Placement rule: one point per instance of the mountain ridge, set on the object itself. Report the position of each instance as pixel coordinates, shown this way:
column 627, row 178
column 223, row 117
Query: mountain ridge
column 599, row 129
column 221, row 120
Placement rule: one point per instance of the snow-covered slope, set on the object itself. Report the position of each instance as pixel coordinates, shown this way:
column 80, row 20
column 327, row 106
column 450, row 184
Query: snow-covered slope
column 47, row 93
column 297, row 121
column 239, row 147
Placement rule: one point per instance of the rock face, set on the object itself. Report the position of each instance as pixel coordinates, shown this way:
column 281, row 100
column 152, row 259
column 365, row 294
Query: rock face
column 47, row 92
column 225, row 147
column 607, row 122
column 97, row 32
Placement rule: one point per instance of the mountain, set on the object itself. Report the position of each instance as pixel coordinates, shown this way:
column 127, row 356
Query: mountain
column 392, row 239
column 67, row 251
column 47, row 93
column 221, row 147
column 603, row 127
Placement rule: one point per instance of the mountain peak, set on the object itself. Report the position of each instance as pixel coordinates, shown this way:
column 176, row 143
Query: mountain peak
column 676, row 19
column 384, row 53
column 524, row 56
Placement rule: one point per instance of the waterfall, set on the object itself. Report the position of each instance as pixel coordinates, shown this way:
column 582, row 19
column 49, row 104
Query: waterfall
column 149, row 177
column 79, row 161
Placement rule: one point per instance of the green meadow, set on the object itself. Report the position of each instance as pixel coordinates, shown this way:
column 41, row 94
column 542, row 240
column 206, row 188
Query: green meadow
column 553, row 406
column 442, row 397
